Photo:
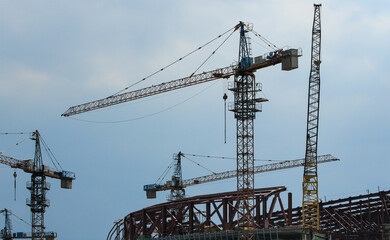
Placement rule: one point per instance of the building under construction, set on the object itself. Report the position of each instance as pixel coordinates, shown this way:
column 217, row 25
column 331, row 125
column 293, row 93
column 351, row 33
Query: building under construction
column 251, row 213
column 213, row 216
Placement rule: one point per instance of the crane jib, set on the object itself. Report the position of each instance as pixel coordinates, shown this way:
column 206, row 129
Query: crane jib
column 152, row 90
column 288, row 58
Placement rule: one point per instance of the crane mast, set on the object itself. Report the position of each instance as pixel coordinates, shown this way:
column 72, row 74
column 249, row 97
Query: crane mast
column 245, row 109
column 178, row 191
column 310, row 206
column 6, row 231
column 38, row 188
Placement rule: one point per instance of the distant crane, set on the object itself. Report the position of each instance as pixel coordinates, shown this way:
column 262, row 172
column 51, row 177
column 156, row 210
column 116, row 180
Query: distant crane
column 245, row 106
column 177, row 185
column 310, row 205
column 38, row 185
column 6, row 231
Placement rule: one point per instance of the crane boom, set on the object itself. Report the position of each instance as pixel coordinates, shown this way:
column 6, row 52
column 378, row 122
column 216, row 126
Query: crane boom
column 257, row 169
column 259, row 62
column 178, row 185
column 152, row 90
column 12, row 162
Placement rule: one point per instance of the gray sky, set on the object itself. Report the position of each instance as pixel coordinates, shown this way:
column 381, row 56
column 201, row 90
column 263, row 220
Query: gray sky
column 58, row 54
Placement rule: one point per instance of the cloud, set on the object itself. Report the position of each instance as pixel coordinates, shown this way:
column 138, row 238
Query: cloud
column 23, row 84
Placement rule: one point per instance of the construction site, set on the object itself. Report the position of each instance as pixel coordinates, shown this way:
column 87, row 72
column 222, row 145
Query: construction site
column 241, row 208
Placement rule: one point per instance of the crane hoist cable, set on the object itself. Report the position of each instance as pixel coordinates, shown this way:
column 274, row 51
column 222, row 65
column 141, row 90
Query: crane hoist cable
column 167, row 66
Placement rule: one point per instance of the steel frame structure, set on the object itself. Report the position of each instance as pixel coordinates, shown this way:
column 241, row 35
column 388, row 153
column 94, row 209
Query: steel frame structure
column 213, row 212
column 357, row 217
column 311, row 215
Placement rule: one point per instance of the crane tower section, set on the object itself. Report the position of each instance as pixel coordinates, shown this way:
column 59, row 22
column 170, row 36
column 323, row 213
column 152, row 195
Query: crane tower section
column 38, row 188
column 245, row 108
column 310, row 206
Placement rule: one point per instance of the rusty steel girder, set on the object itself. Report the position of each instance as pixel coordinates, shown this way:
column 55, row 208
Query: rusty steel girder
column 212, row 212
column 358, row 217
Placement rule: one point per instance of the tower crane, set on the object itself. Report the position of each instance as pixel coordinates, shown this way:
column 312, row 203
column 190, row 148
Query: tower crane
column 6, row 231
column 177, row 185
column 38, row 185
column 245, row 106
column 310, row 205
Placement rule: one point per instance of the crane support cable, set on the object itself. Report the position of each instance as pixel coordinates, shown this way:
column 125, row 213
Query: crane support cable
column 12, row 146
column 20, row 218
column 266, row 41
column 230, row 158
column 16, row 133
column 199, row 164
column 213, row 52
column 159, row 180
column 51, row 155
column 167, row 66
column 208, row 156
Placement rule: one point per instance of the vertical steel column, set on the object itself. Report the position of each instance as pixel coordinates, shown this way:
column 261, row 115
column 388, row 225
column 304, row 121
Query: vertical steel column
column 310, row 206
column 289, row 211
column 38, row 188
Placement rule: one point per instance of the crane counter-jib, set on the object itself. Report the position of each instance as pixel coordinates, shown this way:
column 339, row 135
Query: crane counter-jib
column 66, row 177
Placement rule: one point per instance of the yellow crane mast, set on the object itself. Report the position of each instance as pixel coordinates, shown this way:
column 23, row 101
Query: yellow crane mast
column 310, row 206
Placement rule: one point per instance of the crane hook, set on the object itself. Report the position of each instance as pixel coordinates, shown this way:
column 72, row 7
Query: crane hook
column 224, row 99
column 15, row 175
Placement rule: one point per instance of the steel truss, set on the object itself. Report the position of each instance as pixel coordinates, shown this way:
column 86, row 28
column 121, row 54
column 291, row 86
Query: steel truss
column 358, row 217
column 214, row 212
column 38, row 188
column 311, row 217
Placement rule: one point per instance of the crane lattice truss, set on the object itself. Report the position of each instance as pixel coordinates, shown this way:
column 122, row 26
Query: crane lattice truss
column 176, row 185
column 245, row 106
column 257, row 169
column 38, row 185
column 310, row 207
column 245, row 110
column 38, row 188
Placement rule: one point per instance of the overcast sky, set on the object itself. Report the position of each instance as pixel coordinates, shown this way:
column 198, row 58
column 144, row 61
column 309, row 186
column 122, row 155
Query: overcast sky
column 56, row 54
